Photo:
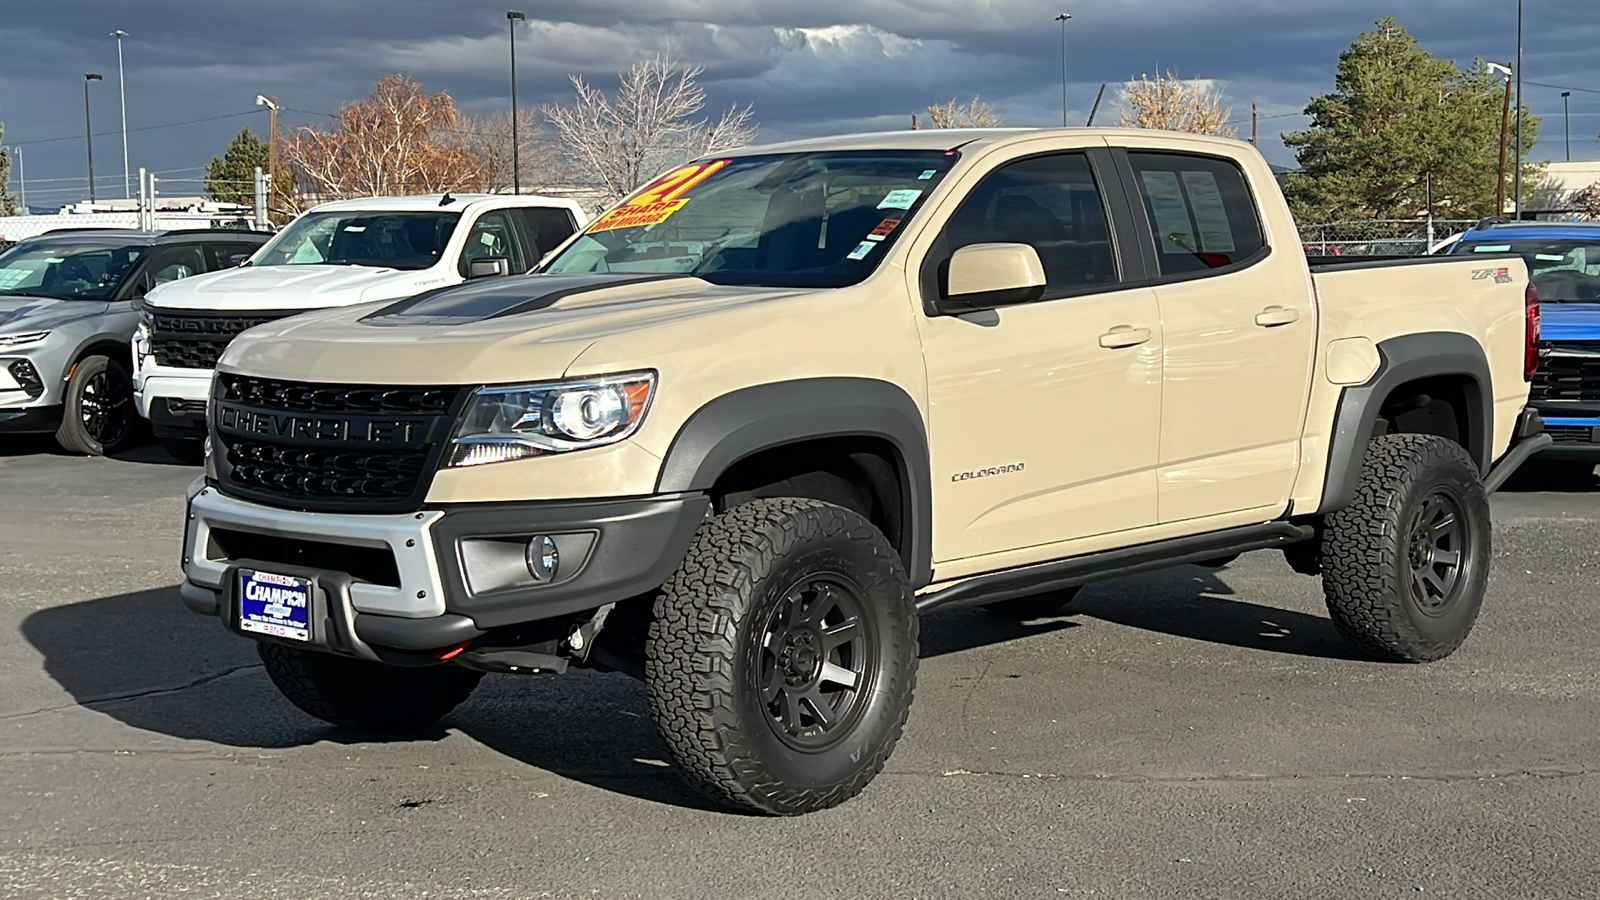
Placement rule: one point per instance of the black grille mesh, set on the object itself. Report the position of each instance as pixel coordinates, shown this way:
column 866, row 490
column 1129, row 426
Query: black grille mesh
column 1568, row 377
column 1570, row 434
column 187, row 341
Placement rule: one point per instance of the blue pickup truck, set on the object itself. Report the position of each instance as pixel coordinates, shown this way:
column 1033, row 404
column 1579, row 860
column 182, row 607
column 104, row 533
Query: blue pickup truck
column 1564, row 263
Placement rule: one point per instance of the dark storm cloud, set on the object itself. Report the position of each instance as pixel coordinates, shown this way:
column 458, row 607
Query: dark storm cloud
column 813, row 67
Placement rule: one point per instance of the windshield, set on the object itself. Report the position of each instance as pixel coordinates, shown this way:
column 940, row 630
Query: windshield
column 794, row 219
column 1564, row 271
column 390, row 240
column 87, row 270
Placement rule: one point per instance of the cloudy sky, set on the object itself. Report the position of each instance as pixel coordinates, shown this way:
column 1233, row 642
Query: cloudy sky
column 808, row 66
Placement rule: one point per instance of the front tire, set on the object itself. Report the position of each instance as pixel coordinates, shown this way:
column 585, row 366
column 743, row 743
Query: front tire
column 366, row 696
column 782, row 656
column 1405, row 565
column 97, row 415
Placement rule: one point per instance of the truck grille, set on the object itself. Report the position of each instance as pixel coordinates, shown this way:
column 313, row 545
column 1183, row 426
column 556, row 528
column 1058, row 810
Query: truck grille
column 1571, row 434
column 195, row 340
column 329, row 446
column 1568, row 372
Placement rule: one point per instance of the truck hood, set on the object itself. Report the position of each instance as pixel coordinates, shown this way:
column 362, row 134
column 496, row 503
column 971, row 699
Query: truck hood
column 1569, row 321
column 22, row 314
column 293, row 287
column 500, row 330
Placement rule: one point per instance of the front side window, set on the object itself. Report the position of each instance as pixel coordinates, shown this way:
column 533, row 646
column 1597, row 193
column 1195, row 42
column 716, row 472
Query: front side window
column 88, row 270
column 1200, row 211
column 169, row 263
column 1564, row 271
column 493, row 236
column 390, row 240
column 819, row 219
column 1050, row 203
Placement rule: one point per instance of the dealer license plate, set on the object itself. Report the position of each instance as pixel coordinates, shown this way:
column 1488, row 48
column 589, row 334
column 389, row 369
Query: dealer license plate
column 276, row 605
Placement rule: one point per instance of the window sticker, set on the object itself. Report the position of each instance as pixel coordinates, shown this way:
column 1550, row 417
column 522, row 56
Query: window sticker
column 883, row 229
column 1165, row 196
column 656, row 203
column 1491, row 248
column 861, row 250
column 927, row 174
column 355, row 229
column 1550, row 257
column 1205, row 199
column 901, row 199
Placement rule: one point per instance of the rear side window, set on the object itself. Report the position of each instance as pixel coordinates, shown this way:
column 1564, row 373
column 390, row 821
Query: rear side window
column 226, row 256
column 546, row 228
column 1052, row 204
column 1201, row 213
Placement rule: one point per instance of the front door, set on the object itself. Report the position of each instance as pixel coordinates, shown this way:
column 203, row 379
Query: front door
column 1240, row 333
column 1043, row 417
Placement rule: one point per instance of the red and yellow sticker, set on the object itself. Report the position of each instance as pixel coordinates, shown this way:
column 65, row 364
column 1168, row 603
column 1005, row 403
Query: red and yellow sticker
column 657, row 202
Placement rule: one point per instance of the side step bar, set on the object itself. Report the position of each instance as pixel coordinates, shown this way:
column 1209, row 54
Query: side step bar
column 1079, row 570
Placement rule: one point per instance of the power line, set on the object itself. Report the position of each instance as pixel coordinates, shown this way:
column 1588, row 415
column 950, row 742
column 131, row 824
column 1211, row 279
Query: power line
column 1564, row 87
column 74, row 137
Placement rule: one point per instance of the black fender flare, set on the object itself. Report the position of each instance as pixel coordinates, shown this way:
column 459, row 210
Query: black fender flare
column 747, row 421
column 1402, row 359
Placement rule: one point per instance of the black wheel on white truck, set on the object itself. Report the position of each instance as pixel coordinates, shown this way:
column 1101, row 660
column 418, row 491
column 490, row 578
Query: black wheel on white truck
column 1405, row 565
column 782, row 656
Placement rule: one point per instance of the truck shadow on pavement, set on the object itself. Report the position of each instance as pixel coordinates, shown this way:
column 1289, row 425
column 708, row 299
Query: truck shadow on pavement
column 144, row 660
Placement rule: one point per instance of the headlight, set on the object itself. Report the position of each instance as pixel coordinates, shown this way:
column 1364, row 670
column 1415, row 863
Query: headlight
column 7, row 341
column 525, row 420
column 147, row 316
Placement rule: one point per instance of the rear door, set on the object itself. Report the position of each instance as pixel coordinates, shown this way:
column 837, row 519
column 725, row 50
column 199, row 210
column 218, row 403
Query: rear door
column 1239, row 330
column 544, row 228
column 1044, row 417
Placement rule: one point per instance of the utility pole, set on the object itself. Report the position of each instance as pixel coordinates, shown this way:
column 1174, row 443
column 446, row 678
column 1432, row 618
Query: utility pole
column 1505, row 118
column 512, row 18
column 271, row 103
column 122, row 91
column 88, row 129
column 1517, row 175
column 1063, row 20
column 1566, row 117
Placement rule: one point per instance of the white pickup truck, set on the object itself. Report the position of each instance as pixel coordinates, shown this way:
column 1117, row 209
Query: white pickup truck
column 337, row 254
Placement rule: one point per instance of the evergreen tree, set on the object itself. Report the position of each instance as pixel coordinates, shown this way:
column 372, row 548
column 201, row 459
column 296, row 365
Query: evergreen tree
column 230, row 178
column 1400, row 117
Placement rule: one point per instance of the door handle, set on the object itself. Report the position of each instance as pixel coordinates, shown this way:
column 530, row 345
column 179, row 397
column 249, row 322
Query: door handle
column 1273, row 316
column 1124, row 336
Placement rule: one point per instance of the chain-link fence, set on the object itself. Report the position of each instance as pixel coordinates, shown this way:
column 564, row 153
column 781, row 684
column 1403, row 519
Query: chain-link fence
column 1379, row 237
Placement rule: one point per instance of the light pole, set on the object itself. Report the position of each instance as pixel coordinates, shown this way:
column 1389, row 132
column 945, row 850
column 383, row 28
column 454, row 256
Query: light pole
column 1516, row 177
column 512, row 18
column 1566, row 118
column 271, row 103
column 88, row 129
column 1063, row 20
column 22, row 182
column 122, row 91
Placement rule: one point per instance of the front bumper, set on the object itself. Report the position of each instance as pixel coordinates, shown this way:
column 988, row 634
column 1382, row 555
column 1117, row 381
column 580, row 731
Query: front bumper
column 435, row 578
column 30, row 420
column 157, row 384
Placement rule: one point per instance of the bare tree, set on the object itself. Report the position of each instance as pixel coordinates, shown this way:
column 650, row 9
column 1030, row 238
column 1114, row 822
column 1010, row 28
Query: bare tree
column 1175, row 104
column 489, row 136
column 395, row 140
column 619, row 143
column 1586, row 200
column 976, row 114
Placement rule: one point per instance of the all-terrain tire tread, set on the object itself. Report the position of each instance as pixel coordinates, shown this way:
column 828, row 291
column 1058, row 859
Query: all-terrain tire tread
column 691, row 652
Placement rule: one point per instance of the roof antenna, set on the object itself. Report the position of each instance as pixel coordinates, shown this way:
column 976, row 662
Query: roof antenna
column 446, row 200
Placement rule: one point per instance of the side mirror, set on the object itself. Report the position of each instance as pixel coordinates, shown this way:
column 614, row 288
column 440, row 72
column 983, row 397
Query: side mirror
column 235, row 259
column 488, row 267
column 986, row 276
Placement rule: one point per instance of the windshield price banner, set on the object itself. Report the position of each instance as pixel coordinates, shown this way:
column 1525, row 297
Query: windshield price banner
column 661, row 199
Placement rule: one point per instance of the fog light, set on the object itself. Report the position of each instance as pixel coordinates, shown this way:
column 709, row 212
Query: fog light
column 543, row 558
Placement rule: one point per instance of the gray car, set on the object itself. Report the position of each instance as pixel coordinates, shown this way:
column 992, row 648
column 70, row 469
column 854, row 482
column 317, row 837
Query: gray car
column 66, row 318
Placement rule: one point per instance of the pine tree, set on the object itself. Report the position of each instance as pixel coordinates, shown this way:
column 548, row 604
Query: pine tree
column 230, row 178
column 1400, row 118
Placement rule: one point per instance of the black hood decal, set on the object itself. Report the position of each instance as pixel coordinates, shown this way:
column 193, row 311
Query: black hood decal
column 494, row 298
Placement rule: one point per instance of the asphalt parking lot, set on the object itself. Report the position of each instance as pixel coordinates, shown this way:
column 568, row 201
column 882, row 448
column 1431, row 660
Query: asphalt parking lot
column 1193, row 733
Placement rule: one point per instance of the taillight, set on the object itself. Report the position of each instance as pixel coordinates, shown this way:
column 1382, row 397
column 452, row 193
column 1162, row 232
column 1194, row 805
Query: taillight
column 1530, row 332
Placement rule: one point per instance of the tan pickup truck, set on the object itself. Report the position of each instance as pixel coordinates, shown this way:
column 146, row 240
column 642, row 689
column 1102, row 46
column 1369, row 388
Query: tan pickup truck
column 736, row 435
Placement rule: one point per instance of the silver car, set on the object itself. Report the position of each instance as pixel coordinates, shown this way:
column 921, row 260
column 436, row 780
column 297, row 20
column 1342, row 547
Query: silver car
column 66, row 317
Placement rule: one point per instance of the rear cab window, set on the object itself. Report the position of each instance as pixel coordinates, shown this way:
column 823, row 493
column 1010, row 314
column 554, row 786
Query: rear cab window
column 1200, row 212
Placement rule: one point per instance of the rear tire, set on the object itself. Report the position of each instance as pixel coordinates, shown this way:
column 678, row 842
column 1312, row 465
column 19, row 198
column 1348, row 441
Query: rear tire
column 1038, row 606
column 185, row 450
column 782, row 656
column 366, row 696
column 1405, row 565
column 97, row 412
